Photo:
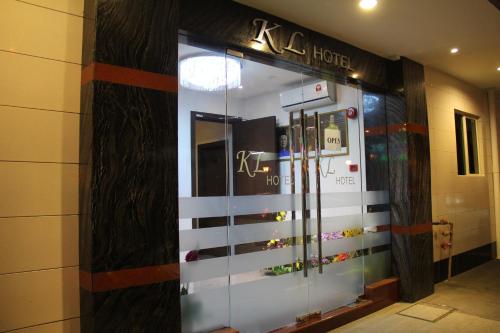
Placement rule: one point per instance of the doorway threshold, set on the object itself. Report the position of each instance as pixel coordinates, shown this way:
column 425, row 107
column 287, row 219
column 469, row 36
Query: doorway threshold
column 377, row 296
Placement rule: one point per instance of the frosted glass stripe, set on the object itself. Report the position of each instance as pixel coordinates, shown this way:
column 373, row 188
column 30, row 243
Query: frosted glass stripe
column 275, row 301
column 194, row 207
column 376, row 219
column 336, row 223
column 248, row 262
column 340, row 284
column 205, row 311
column 203, row 269
column 375, row 197
column 204, row 238
column 377, row 266
column 346, row 199
column 255, row 204
column 376, row 239
column 259, row 232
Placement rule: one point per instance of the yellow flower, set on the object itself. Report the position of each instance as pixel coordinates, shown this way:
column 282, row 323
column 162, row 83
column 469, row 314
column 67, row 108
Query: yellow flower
column 283, row 213
column 279, row 218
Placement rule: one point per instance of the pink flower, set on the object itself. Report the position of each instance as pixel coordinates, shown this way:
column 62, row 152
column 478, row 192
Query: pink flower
column 192, row 256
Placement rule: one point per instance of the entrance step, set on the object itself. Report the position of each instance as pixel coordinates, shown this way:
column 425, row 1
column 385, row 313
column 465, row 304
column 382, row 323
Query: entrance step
column 377, row 296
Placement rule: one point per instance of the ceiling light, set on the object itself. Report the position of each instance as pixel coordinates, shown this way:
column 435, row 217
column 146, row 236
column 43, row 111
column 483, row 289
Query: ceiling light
column 210, row 73
column 498, row 68
column 454, row 50
column 368, row 4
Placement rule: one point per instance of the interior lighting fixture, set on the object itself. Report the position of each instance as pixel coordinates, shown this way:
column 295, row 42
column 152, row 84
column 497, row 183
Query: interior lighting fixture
column 498, row 68
column 454, row 50
column 210, row 73
column 368, row 4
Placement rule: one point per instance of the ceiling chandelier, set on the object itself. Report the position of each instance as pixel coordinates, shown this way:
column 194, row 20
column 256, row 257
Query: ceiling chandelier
column 210, row 73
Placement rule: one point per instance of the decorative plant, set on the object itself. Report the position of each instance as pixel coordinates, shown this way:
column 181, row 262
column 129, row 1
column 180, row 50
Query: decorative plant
column 299, row 265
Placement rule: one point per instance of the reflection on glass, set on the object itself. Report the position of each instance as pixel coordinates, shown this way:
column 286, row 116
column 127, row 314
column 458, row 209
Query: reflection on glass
column 241, row 200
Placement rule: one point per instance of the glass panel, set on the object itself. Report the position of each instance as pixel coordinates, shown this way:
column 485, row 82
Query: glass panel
column 376, row 216
column 248, row 186
column 264, row 304
column 472, row 145
column 336, row 258
column 267, row 286
column 460, row 144
column 202, row 190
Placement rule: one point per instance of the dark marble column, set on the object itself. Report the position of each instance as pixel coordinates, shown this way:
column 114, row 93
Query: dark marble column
column 129, row 270
column 410, row 185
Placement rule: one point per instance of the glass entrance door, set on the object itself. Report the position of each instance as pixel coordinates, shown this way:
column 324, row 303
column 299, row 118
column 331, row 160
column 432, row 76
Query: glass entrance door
column 274, row 223
column 268, row 288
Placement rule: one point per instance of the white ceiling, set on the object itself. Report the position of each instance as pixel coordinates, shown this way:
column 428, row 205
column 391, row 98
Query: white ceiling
column 256, row 78
column 423, row 30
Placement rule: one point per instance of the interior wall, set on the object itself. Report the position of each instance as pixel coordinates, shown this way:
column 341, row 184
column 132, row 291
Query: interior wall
column 40, row 57
column 465, row 200
column 206, row 102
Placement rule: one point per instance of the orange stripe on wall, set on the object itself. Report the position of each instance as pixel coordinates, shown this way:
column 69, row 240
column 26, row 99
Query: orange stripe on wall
column 128, row 76
column 412, row 230
column 126, row 278
column 396, row 128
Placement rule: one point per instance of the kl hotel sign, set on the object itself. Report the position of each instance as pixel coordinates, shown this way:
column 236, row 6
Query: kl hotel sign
column 264, row 36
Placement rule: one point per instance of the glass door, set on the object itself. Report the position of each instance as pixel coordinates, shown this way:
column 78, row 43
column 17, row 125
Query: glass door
column 276, row 223
column 268, row 288
column 336, row 201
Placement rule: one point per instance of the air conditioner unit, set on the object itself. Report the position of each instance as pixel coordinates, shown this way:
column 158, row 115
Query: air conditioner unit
column 308, row 97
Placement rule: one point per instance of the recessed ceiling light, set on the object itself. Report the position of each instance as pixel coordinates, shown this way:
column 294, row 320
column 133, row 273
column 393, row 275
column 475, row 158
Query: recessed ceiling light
column 498, row 68
column 368, row 4
column 454, row 50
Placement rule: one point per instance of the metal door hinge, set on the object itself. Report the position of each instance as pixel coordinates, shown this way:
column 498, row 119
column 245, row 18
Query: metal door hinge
column 235, row 53
column 309, row 316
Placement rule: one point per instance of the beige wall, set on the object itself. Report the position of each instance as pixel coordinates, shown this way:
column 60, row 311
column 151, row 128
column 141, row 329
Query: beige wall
column 465, row 200
column 40, row 55
column 495, row 117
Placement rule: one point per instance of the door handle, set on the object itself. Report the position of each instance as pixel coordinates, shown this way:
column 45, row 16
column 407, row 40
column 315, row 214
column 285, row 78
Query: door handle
column 292, row 160
column 317, row 147
column 304, row 182
column 291, row 149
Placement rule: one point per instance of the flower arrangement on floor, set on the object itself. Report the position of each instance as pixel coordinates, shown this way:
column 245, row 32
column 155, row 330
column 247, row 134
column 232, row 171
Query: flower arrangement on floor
column 279, row 243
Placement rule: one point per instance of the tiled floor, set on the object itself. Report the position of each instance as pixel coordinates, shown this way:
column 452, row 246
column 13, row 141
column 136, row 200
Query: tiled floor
column 475, row 295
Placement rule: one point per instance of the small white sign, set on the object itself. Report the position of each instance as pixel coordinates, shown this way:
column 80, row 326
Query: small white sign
column 332, row 139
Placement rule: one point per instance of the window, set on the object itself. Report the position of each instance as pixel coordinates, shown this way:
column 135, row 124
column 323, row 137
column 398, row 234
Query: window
column 466, row 136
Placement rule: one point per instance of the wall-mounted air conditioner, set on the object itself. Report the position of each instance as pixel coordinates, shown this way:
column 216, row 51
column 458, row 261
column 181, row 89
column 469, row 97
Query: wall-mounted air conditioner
column 308, row 97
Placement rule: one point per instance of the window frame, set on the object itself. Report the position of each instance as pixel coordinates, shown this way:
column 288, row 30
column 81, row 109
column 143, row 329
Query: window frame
column 465, row 144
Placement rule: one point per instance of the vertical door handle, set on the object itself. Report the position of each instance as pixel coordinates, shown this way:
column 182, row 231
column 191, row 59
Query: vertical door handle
column 304, row 182
column 292, row 160
column 291, row 149
column 317, row 145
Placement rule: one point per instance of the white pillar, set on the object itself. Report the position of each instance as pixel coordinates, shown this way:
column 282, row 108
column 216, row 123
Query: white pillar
column 495, row 166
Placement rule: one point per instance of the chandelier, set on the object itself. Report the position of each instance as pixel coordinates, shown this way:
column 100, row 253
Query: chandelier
column 210, row 73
